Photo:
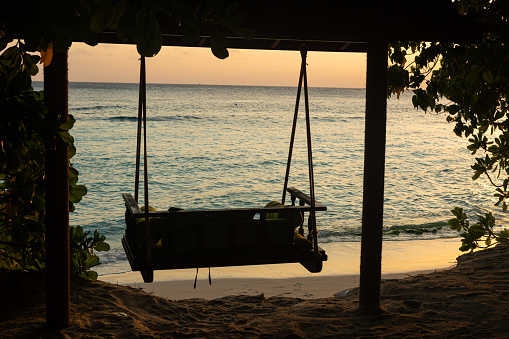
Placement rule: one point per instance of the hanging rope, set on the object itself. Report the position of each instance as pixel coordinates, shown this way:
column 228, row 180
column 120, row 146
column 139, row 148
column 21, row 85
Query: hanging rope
column 294, row 125
column 313, row 234
column 312, row 214
column 142, row 121
column 141, row 99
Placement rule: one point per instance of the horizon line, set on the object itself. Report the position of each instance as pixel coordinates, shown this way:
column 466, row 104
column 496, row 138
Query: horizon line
column 202, row 84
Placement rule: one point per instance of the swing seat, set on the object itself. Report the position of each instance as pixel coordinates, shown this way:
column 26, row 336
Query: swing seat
column 221, row 237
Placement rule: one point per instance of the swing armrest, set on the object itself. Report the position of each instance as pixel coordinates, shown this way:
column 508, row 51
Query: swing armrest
column 305, row 198
column 131, row 204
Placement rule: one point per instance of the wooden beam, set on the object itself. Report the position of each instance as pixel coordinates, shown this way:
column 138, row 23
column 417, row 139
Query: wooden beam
column 374, row 171
column 57, row 196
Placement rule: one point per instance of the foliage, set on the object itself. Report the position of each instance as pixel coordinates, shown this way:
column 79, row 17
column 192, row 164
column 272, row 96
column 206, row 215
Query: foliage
column 76, row 192
column 22, row 139
column 474, row 236
column 22, row 162
column 57, row 23
column 53, row 25
column 470, row 84
column 82, row 251
column 141, row 22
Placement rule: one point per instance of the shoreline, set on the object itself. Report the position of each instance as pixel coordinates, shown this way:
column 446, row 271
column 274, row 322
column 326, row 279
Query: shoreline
column 451, row 303
column 400, row 259
column 314, row 287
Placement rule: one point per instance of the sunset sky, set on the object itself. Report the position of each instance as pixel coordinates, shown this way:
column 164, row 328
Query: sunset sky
column 185, row 65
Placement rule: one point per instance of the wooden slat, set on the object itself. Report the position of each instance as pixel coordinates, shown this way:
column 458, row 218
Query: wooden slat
column 275, row 255
column 135, row 211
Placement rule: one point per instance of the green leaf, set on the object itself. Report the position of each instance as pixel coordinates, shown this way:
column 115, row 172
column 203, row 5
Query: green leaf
column 11, row 53
column 488, row 77
column 127, row 24
column 76, row 193
column 118, row 11
column 73, row 180
column 142, row 19
column 38, row 202
column 477, row 175
column 69, row 124
column 101, row 16
column 72, row 150
column 77, row 232
column 465, row 247
column 90, row 275
column 152, row 40
column 454, row 224
column 33, row 70
column 93, row 261
column 476, row 232
column 66, row 137
column 73, row 172
column 218, row 43
column 102, row 246
column 30, row 64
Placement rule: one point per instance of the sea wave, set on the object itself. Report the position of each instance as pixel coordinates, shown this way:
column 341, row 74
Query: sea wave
column 432, row 227
column 96, row 108
column 156, row 118
column 122, row 118
column 430, row 230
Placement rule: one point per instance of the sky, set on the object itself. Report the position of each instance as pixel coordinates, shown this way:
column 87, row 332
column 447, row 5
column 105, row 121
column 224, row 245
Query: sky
column 196, row 65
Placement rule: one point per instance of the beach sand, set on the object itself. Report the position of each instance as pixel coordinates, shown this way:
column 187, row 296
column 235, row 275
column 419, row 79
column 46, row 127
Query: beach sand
column 469, row 300
column 340, row 272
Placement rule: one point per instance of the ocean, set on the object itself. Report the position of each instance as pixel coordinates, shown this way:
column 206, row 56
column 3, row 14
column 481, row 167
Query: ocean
column 226, row 146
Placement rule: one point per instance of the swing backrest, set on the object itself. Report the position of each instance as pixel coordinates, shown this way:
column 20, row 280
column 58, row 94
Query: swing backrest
column 185, row 231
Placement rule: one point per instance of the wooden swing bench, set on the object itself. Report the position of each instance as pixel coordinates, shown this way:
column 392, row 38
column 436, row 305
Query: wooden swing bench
column 176, row 239
column 221, row 237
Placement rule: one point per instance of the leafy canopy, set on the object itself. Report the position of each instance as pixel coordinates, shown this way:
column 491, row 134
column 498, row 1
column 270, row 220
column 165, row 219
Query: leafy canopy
column 57, row 23
column 469, row 83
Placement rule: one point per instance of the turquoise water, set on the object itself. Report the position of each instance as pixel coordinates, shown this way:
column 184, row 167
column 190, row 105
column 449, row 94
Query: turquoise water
column 226, row 146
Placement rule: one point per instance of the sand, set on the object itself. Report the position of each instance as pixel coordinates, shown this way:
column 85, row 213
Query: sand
column 469, row 300
column 340, row 272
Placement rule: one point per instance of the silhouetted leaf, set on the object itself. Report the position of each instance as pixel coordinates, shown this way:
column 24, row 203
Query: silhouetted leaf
column 218, row 43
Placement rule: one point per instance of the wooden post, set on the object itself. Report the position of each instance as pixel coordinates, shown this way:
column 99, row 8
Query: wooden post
column 57, row 196
column 374, row 170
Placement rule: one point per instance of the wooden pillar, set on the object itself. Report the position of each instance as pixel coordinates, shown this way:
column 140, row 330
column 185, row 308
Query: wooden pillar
column 374, row 171
column 57, row 196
